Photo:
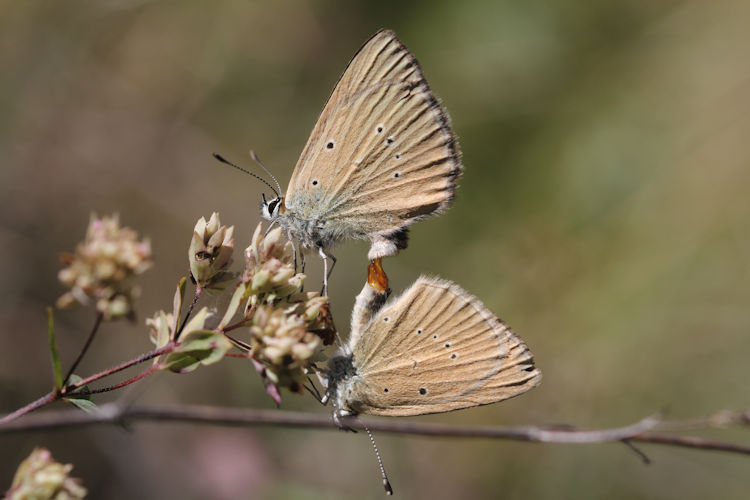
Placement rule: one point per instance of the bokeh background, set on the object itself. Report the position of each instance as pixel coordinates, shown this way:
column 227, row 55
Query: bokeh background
column 603, row 214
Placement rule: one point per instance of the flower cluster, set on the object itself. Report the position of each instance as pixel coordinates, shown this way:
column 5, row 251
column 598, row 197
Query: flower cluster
column 285, row 327
column 282, row 342
column 101, row 269
column 288, row 327
column 41, row 478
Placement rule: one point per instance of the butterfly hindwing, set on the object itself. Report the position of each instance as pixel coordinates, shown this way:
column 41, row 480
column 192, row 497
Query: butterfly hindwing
column 434, row 349
column 382, row 153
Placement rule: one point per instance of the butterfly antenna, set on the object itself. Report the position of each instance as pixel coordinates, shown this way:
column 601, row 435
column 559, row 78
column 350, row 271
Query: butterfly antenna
column 386, row 483
column 257, row 160
column 224, row 160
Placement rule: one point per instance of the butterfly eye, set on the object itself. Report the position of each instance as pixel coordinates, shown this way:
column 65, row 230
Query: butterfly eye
column 379, row 129
column 315, row 182
column 386, row 319
column 272, row 206
column 397, row 156
column 390, row 140
column 435, row 336
column 385, row 389
column 396, row 175
column 330, row 145
column 454, row 355
column 447, row 345
column 422, row 391
column 419, row 331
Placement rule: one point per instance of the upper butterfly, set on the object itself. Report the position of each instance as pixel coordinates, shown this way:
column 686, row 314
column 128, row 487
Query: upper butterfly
column 381, row 156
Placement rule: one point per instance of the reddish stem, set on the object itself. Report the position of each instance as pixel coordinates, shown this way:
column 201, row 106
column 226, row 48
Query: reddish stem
column 66, row 391
column 43, row 401
column 238, row 343
column 109, row 371
column 117, row 386
column 229, row 328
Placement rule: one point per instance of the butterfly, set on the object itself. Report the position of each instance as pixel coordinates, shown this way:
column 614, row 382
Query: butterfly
column 436, row 348
column 381, row 157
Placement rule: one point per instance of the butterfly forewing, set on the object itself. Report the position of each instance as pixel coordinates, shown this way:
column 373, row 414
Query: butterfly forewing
column 382, row 153
column 437, row 349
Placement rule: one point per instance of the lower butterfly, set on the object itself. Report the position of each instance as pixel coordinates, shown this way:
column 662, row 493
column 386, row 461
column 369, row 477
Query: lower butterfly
column 434, row 349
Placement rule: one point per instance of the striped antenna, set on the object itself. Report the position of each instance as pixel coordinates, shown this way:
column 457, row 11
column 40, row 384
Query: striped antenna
column 224, row 160
column 386, row 483
column 257, row 160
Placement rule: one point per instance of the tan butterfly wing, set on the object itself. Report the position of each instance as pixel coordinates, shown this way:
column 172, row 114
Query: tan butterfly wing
column 382, row 153
column 437, row 349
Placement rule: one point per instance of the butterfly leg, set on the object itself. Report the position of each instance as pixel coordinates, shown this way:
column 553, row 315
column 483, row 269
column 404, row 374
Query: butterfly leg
column 333, row 263
column 294, row 252
column 326, row 271
column 313, row 389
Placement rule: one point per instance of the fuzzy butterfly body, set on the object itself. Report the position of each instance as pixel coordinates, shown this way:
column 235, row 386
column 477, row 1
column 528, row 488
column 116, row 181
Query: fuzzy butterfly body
column 434, row 349
column 381, row 156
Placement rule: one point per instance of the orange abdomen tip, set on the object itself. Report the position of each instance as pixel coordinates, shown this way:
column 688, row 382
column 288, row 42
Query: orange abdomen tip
column 376, row 277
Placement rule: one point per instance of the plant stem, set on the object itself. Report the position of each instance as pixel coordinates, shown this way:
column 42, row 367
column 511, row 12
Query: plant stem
column 109, row 371
column 94, row 329
column 66, row 391
column 239, row 324
column 44, row 400
column 198, row 293
column 121, row 384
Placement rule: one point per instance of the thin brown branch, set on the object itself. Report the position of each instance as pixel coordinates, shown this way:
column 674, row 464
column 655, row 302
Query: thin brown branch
column 643, row 431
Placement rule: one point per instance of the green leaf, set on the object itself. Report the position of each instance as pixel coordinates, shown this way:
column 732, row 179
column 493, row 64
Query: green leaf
column 179, row 297
column 162, row 334
column 83, row 402
column 197, row 322
column 198, row 347
column 234, row 304
column 54, row 353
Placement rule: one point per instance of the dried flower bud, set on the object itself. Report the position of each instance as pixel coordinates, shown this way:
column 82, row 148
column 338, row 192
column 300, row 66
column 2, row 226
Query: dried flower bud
column 317, row 313
column 101, row 269
column 269, row 267
column 39, row 477
column 160, row 328
column 210, row 251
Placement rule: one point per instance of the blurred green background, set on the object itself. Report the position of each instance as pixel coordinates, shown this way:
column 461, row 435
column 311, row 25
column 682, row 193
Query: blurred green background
column 603, row 214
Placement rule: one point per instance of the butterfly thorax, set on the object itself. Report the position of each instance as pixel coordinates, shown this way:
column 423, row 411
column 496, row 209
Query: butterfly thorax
column 303, row 217
column 342, row 378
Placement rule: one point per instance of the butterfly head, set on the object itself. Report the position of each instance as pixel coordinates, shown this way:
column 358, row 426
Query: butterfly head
column 270, row 209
